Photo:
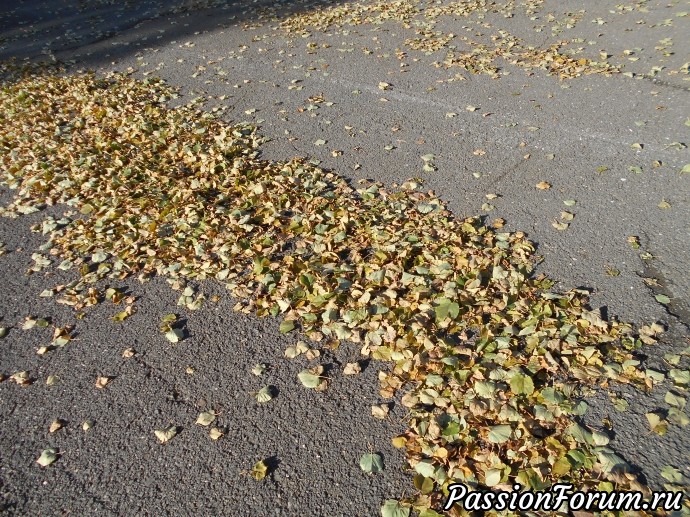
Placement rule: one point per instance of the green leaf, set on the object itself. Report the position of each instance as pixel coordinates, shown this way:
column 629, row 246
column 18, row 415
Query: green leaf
column 424, row 485
column 425, row 208
column 655, row 375
column 675, row 400
column 493, row 477
column 433, row 380
column 611, row 462
column 286, row 326
column 47, row 457
column 99, row 256
column 663, row 299
column 371, row 463
column 393, row 508
column 657, row 423
column 521, row 384
column 580, row 434
column 500, row 433
column 206, row 418
column 174, row 335
column 446, row 308
column 485, row 389
column 677, row 417
column 293, row 351
column 308, row 379
column 264, row 394
column 671, row 474
column 681, row 377
column 121, row 316
column 425, row 468
column 600, row 438
column 259, row 470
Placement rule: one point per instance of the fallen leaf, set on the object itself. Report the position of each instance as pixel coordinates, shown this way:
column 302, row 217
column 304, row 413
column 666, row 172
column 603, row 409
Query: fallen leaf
column 671, row 474
column 352, row 369
column 308, row 379
column 174, row 335
column 299, row 348
column 264, row 394
column 521, row 384
column 259, row 470
column 393, row 508
column 166, row 434
column 371, row 463
column 102, row 382
column 657, row 423
column 47, row 457
column 286, row 326
column 205, row 418
column 312, row 354
column 500, row 433
column 380, row 411
column 215, row 433
column 21, row 378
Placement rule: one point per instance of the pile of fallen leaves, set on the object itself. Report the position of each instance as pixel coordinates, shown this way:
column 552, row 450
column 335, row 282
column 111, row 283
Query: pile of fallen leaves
column 473, row 54
column 493, row 365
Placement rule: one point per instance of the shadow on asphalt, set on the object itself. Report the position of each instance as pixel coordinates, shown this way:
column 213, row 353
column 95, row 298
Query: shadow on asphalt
column 102, row 31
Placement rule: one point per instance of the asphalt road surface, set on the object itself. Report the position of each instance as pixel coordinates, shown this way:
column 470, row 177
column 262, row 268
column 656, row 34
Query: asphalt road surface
column 491, row 135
